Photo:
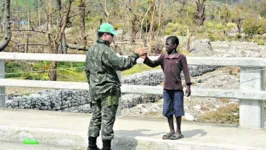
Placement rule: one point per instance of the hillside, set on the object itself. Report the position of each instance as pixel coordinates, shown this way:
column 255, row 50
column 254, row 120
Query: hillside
column 228, row 1
column 31, row 4
column 25, row 4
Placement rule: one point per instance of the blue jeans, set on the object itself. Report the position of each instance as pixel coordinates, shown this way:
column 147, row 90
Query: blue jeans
column 173, row 103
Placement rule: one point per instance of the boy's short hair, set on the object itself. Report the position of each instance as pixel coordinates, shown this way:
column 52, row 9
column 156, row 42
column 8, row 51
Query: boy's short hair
column 173, row 39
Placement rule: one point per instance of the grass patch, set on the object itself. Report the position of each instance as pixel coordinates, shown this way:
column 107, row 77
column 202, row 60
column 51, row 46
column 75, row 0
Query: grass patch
column 228, row 114
column 71, row 75
column 224, row 100
column 66, row 71
column 138, row 68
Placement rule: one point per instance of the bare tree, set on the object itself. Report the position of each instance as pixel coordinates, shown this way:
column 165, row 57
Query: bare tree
column 142, row 35
column 239, row 22
column 135, row 23
column 56, row 39
column 238, row 17
column 152, row 15
column 104, row 11
column 200, row 12
column 8, row 34
column 82, row 15
column 3, row 18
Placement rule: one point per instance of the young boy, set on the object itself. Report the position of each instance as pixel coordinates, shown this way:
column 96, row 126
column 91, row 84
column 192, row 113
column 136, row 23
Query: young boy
column 172, row 64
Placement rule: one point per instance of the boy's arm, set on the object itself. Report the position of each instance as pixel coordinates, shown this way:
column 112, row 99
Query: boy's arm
column 187, row 75
column 154, row 63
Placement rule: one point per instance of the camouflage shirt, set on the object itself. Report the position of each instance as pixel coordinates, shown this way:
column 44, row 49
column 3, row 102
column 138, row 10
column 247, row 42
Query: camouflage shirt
column 101, row 66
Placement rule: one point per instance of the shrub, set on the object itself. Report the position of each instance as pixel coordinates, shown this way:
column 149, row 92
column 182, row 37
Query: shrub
column 230, row 25
column 211, row 37
column 156, row 47
column 40, row 70
column 238, row 36
column 180, row 29
column 219, row 26
column 226, row 114
column 215, row 37
column 118, row 26
column 209, row 24
column 260, row 42
column 170, row 28
column 254, row 26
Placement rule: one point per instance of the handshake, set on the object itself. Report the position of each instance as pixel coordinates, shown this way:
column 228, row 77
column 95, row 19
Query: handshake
column 142, row 52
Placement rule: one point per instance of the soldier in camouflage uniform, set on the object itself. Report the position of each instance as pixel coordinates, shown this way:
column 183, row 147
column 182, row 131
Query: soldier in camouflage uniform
column 104, row 85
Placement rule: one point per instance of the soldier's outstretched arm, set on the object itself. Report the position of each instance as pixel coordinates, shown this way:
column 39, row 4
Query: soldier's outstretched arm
column 110, row 58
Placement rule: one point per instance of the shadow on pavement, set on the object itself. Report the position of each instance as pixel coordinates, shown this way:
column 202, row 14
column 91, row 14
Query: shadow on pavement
column 195, row 132
column 139, row 132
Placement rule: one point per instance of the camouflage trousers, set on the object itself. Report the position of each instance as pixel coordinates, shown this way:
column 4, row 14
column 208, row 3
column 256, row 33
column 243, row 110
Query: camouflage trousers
column 103, row 118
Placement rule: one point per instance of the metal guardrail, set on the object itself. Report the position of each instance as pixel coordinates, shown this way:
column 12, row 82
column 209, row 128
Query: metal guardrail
column 251, row 92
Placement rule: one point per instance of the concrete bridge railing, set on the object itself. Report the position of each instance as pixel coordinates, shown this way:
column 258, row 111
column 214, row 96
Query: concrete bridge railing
column 251, row 92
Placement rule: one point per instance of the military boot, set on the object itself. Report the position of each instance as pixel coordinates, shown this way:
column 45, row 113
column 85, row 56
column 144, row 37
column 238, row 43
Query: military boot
column 92, row 143
column 106, row 145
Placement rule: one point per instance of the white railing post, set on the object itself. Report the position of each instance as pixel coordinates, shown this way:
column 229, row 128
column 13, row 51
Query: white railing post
column 118, row 113
column 251, row 113
column 2, row 89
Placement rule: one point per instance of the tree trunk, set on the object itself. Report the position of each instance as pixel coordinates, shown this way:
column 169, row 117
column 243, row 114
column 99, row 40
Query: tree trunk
column 134, row 29
column 82, row 12
column 188, row 40
column 53, row 74
column 143, row 34
column 200, row 13
column 59, row 9
column 60, row 49
column 3, row 18
column 39, row 14
column 8, row 34
column 57, row 47
column 64, row 44
column 26, row 49
column 133, row 36
column 239, row 24
column 159, row 19
column 56, row 40
column 151, row 35
column 106, row 12
column 28, row 19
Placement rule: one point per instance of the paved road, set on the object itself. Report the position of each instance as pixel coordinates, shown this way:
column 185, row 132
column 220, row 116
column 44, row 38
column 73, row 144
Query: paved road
column 51, row 126
column 21, row 146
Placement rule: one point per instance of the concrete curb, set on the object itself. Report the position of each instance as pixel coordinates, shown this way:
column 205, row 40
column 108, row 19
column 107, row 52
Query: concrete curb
column 76, row 140
column 142, row 143
column 46, row 136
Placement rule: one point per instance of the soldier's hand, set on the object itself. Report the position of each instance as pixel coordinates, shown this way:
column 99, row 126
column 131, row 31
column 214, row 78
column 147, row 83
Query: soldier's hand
column 141, row 51
column 144, row 56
